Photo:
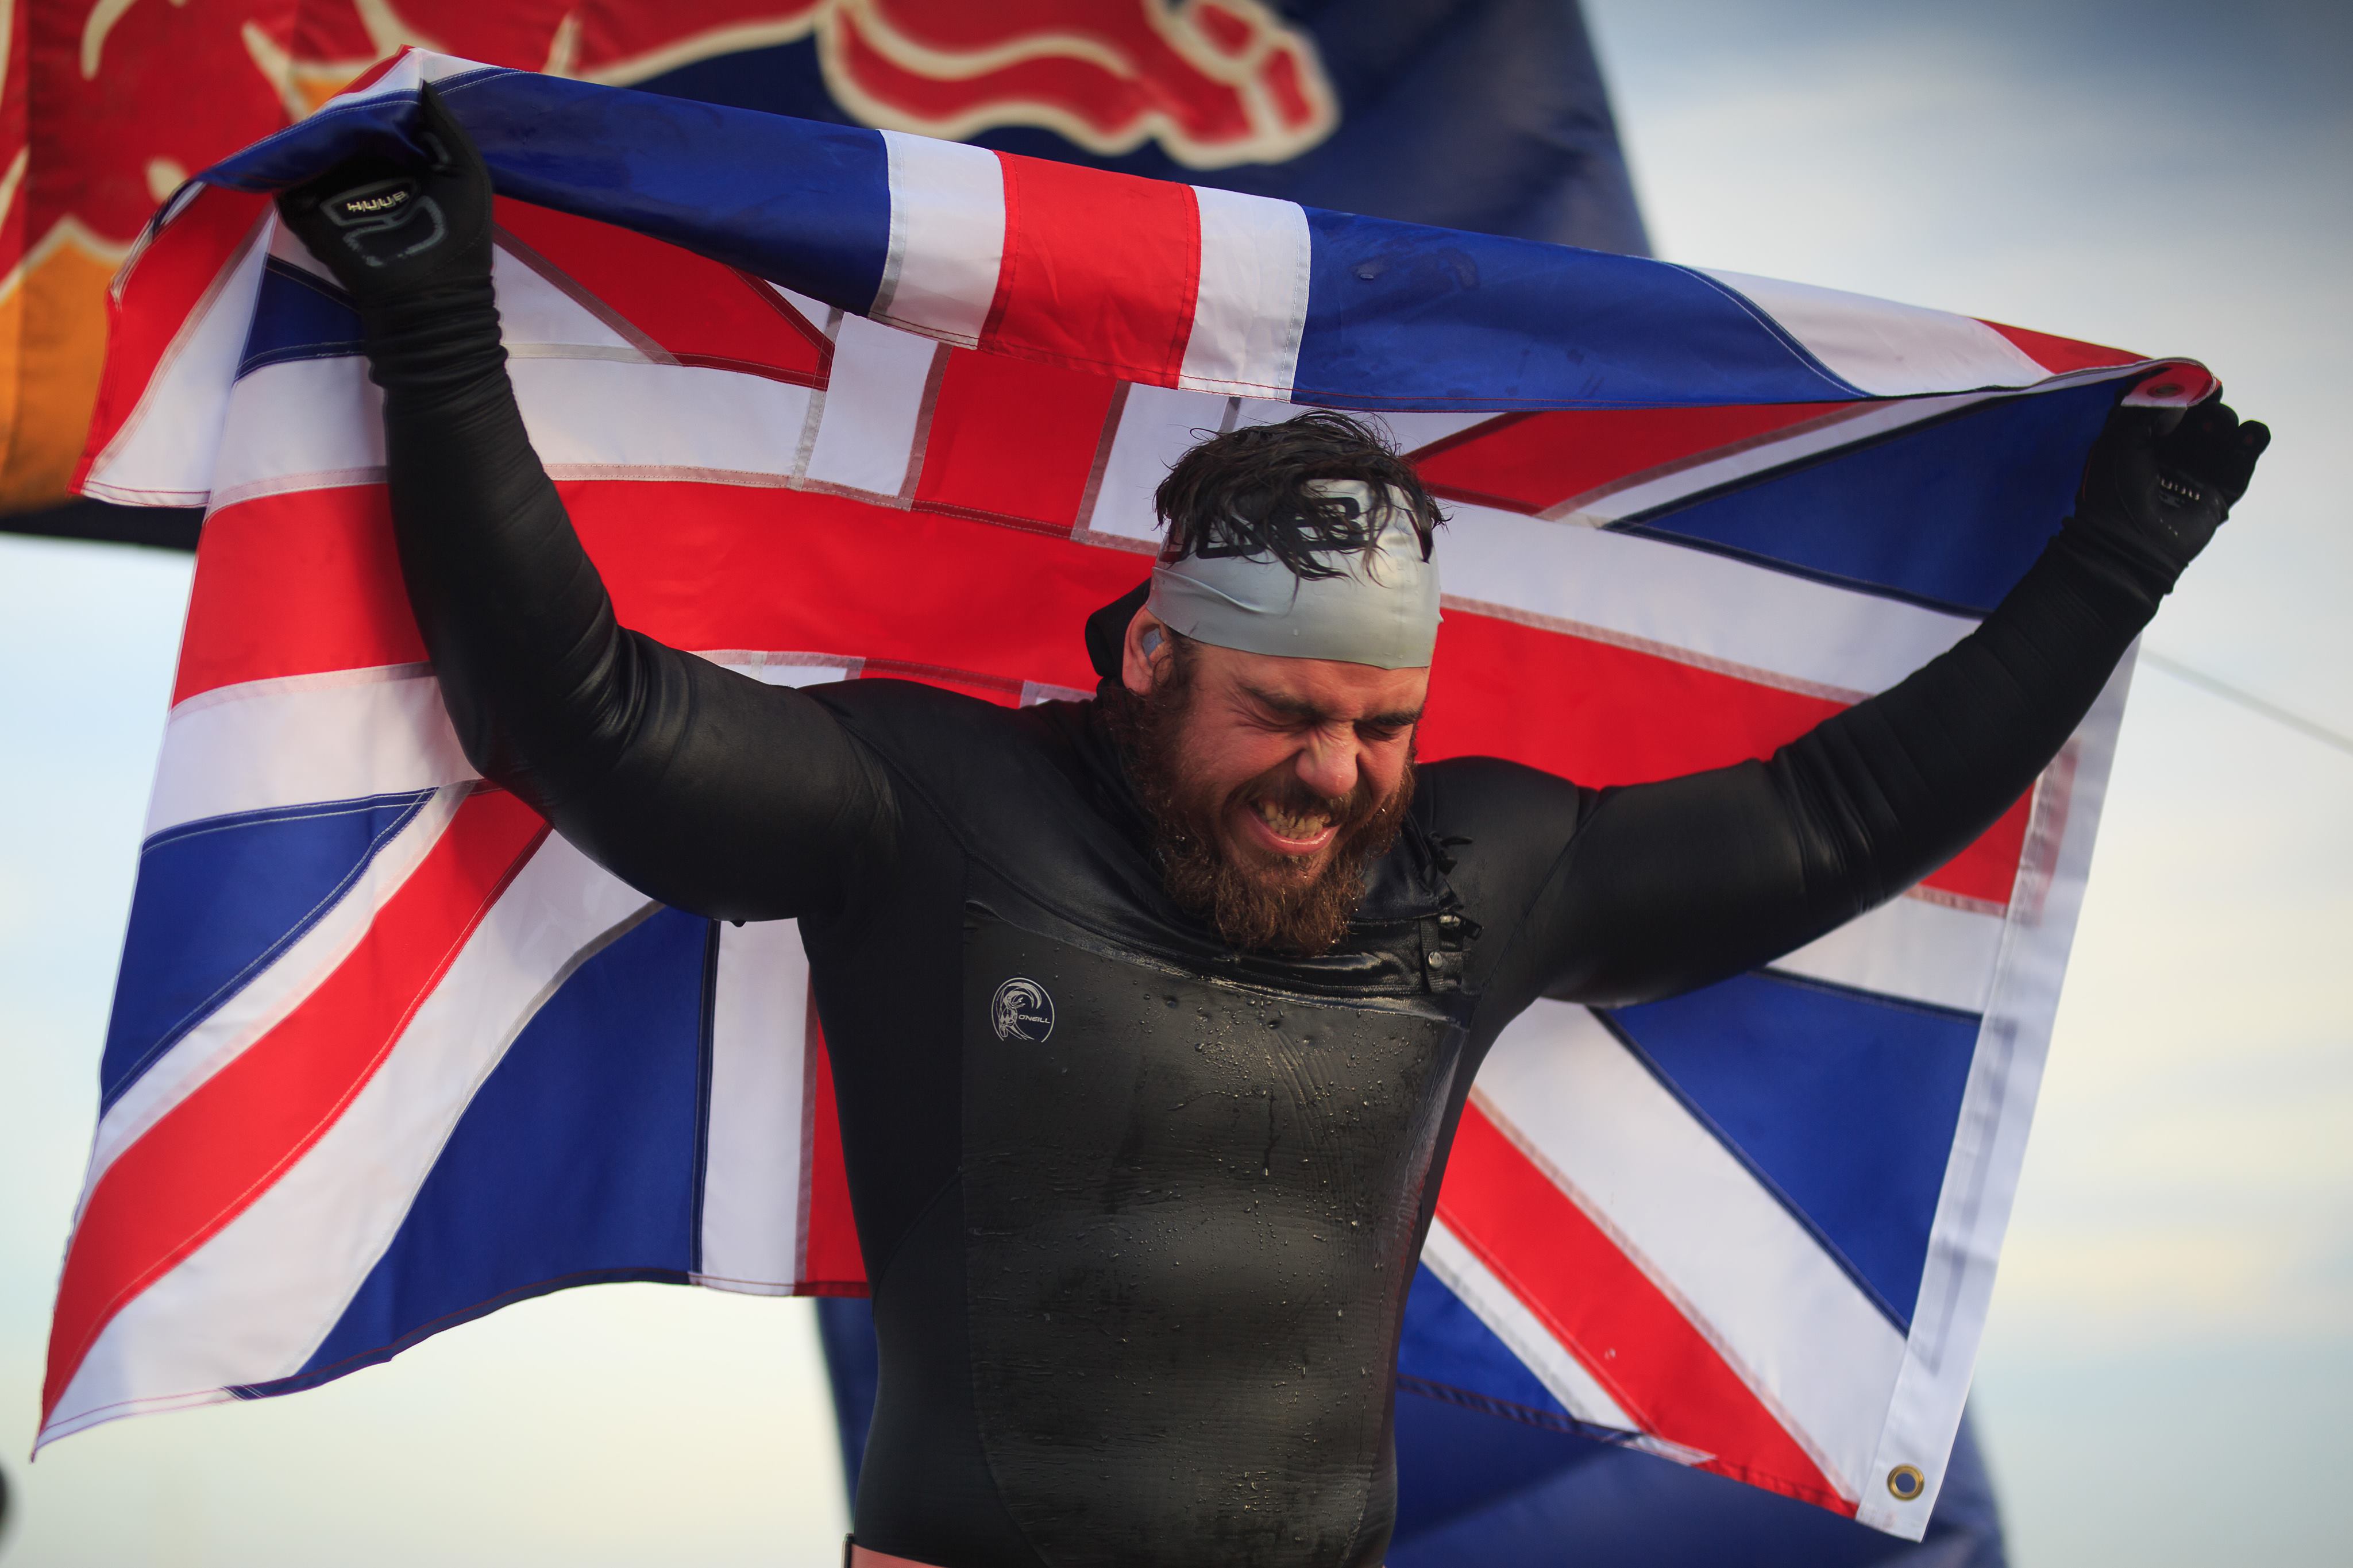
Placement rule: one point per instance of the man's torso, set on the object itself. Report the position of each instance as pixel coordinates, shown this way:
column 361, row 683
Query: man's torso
column 1140, row 1212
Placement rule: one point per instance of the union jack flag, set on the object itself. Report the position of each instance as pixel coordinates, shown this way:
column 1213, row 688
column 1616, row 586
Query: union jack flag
column 828, row 403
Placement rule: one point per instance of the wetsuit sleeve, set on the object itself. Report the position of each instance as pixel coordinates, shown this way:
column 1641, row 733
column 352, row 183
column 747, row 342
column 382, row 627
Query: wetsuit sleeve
column 708, row 790
column 1663, row 886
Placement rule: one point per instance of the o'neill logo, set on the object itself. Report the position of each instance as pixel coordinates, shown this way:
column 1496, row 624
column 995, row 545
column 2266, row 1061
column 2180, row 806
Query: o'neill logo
column 1215, row 82
column 1022, row 1011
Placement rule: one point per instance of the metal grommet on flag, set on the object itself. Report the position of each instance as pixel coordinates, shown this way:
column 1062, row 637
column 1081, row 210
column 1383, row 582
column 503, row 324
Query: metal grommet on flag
column 1905, row 1483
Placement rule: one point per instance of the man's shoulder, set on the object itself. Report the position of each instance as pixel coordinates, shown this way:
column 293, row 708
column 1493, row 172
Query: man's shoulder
column 886, row 700
column 1470, row 797
column 950, row 744
column 888, row 710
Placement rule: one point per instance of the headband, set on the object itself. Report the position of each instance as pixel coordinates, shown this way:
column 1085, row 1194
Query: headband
column 1382, row 608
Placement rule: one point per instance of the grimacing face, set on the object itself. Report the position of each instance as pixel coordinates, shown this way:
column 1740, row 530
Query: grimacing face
column 1265, row 739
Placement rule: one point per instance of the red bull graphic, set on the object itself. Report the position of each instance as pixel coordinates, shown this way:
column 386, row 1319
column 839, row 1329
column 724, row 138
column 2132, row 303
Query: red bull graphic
column 1214, row 82
column 110, row 104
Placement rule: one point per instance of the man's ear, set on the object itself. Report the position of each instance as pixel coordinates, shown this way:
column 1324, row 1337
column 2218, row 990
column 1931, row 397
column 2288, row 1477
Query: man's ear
column 1145, row 653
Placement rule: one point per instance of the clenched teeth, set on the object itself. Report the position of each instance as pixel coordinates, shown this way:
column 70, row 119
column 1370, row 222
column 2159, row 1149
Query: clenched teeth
column 1291, row 824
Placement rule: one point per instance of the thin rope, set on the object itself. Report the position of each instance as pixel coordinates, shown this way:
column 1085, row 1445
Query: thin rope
column 2249, row 702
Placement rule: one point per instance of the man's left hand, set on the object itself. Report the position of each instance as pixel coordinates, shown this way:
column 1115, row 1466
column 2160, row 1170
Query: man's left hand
column 2165, row 479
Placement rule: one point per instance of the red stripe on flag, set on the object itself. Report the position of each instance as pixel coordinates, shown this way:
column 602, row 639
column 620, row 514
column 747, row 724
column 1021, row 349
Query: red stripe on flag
column 158, row 301
column 2060, row 355
column 1013, row 439
column 299, row 583
column 1620, row 1326
column 1611, row 715
column 1987, row 870
column 686, row 306
column 1595, row 711
column 207, row 1159
column 302, row 583
column 831, row 1262
column 1100, row 270
column 706, row 567
column 296, row 584
column 1529, row 462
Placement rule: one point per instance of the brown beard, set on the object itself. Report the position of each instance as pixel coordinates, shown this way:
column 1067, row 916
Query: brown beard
column 1270, row 909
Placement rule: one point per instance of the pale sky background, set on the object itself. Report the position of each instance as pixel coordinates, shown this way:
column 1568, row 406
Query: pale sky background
column 2169, row 1365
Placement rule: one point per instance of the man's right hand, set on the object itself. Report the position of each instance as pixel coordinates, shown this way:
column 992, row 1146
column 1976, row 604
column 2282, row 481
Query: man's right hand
column 386, row 230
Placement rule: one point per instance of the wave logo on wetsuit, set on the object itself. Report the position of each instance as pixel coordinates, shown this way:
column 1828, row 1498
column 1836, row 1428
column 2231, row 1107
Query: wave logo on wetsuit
column 1022, row 1011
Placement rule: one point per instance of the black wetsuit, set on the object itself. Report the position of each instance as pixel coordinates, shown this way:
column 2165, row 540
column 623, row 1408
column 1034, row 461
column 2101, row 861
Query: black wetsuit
column 1138, row 1273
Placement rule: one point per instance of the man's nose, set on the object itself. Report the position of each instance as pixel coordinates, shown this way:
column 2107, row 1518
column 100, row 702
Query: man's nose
column 1327, row 765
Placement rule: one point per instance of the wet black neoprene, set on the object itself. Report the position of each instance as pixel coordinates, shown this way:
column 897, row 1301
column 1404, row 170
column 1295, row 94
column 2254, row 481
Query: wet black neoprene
column 1138, row 1276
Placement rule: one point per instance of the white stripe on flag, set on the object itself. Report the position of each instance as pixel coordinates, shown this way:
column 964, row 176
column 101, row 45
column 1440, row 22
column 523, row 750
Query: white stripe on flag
column 1780, row 1310
column 784, row 669
column 255, row 1301
column 348, row 734
column 316, row 423
column 873, row 413
column 1997, row 1107
column 299, row 424
column 1413, row 430
column 947, row 237
column 1521, row 1331
column 267, row 999
column 343, row 735
column 1751, row 618
column 752, row 1156
column 1653, row 488
column 539, row 319
column 163, row 454
column 1408, row 428
column 1886, row 349
column 1918, row 948
column 1158, row 425
column 1251, row 305
column 604, row 418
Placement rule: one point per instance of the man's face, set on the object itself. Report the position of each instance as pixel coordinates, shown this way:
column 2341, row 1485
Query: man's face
column 1292, row 770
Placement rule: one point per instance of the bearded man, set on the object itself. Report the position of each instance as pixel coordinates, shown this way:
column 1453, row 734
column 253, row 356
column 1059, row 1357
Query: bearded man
column 1151, row 1017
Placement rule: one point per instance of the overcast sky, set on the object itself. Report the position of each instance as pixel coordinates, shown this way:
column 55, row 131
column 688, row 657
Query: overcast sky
column 2172, row 1346
column 2170, row 1352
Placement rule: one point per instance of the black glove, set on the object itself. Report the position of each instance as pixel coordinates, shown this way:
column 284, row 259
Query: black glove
column 387, row 230
column 2160, row 483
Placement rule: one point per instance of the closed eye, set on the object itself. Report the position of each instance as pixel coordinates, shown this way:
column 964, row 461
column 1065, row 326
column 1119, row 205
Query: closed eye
column 1275, row 713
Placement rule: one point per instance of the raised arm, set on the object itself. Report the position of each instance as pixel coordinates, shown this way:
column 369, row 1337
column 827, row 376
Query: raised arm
column 1667, row 886
column 706, row 789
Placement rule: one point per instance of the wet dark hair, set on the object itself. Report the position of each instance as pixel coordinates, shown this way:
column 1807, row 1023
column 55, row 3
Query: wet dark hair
column 1245, row 492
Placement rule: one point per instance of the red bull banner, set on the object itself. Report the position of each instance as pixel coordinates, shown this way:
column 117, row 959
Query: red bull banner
column 110, row 104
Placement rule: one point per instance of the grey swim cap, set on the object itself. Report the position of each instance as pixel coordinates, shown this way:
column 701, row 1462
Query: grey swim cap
column 1381, row 609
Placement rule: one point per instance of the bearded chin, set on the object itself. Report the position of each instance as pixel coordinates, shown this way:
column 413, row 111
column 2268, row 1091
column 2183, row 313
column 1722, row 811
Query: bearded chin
column 1269, row 908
